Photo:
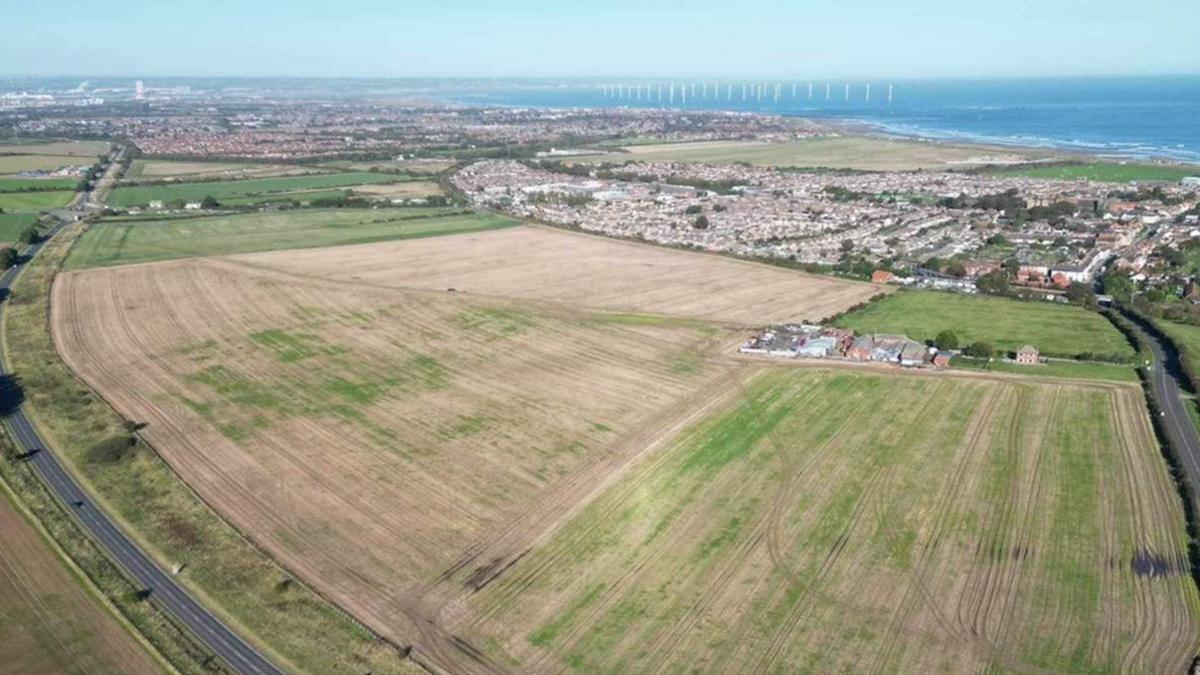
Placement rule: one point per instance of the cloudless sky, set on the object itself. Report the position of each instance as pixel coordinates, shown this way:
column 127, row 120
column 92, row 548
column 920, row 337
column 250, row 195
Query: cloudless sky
column 723, row 38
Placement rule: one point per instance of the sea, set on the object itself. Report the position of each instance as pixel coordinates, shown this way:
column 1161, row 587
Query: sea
column 1116, row 117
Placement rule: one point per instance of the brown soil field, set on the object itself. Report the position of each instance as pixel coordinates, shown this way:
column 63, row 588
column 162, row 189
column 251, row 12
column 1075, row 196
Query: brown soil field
column 48, row 622
column 549, row 265
column 420, row 188
column 374, row 438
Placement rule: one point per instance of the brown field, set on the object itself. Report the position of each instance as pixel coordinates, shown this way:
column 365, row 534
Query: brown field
column 549, row 265
column 562, row 470
column 48, row 622
column 368, row 437
column 400, row 190
column 156, row 169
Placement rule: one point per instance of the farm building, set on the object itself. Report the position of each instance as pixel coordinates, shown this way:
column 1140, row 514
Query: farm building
column 1028, row 355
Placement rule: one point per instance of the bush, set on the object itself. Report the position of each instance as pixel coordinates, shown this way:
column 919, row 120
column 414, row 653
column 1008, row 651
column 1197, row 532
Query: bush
column 983, row 350
column 112, row 450
column 946, row 340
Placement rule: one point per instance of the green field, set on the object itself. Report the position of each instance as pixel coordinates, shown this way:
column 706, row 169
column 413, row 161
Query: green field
column 38, row 184
column 1107, row 172
column 836, row 522
column 1067, row 369
column 262, row 188
column 836, row 152
column 35, row 201
column 13, row 224
column 1056, row 330
column 115, row 242
column 10, row 164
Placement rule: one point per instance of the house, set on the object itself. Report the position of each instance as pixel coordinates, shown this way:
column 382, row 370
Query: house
column 1060, row 280
column 192, row 206
column 1028, row 355
column 156, row 204
column 978, row 268
column 882, row 277
column 941, row 359
column 912, row 354
column 817, row 347
column 861, row 348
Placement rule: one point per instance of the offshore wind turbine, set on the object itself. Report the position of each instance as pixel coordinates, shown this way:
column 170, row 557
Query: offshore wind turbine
column 847, row 92
column 826, row 91
column 889, row 93
column 729, row 92
column 810, row 91
column 868, row 92
column 672, row 100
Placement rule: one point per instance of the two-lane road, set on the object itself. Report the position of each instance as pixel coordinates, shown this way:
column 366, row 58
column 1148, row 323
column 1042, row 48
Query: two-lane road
column 1166, row 387
column 162, row 588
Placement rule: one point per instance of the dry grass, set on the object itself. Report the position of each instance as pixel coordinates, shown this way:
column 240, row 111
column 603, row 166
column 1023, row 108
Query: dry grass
column 49, row 622
column 157, row 169
column 400, row 190
column 548, row 265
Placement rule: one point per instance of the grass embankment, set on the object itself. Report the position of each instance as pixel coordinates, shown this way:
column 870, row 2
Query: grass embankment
column 1056, row 330
column 1186, row 337
column 117, row 241
column 261, row 189
column 1106, row 172
column 831, row 522
column 37, row 184
column 300, row 630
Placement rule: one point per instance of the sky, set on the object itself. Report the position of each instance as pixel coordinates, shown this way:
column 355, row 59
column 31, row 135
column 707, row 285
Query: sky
column 722, row 38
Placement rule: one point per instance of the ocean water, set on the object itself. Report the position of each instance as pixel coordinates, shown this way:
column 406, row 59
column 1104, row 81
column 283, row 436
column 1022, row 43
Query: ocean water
column 1132, row 117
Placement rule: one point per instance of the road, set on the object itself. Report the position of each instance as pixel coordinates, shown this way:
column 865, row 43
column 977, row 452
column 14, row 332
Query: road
column 1165, row 380
column 162, row 588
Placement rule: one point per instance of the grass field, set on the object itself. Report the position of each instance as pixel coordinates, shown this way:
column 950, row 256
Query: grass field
column 262, row 188
column 13, row 224
column 299, row 630
column 1056, row 330
column 970, row 527
column 11, row 164
column 88, row 150
column 1067, row 369
column 114, row 242
column 549, row 265
column 35, row 201
column 1108, row 172
column 840, row 152
column 50, row 623
column 152, row 169
column 19, row 184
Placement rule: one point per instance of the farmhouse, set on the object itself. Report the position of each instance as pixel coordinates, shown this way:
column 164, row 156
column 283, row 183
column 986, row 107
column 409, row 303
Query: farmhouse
column 1028, row 355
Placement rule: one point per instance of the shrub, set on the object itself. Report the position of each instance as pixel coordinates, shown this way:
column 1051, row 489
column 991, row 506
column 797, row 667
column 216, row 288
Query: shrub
column 111, row 450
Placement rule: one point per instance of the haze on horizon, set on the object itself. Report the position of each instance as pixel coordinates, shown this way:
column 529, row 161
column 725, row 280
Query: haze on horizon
column 495, row 38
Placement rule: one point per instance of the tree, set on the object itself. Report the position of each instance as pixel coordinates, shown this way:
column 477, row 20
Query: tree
column 847, row 245
column 209, row 202
column 701, row 223
column 29, row 235
column 955, row 269
column 693, row 209
column 1118, row 285
column 8, row 257
column 983, row 350
column 1081, row 294
column 946, row 340
column 993, row 283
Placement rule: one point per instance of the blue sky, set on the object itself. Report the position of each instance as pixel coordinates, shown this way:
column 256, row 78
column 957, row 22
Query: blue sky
column 798, row 38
